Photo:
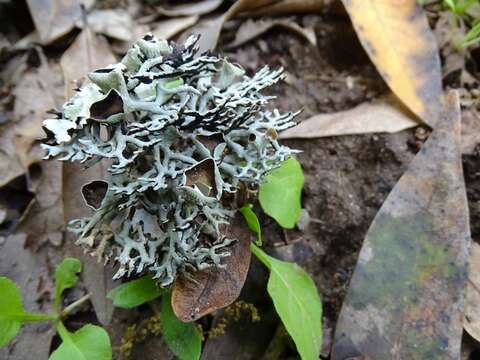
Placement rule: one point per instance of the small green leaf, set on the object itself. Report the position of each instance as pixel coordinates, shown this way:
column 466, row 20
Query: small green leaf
column 297, row 302
column 66, row 277
column 280, row 194
column 252, row 221
column 183, row 339
column 12, row 313
column 135, row 293
column 89, row 343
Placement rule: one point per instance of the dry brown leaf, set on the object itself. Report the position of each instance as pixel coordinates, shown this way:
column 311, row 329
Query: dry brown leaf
column 398, row 39
column 55, row 18
column 215, row 288
column 289, row 7
column 383, row 115
column 114, row 23
column 209, row 31
column 34, row 94
column 88, row 52
column 250, row 29
column 406, row 299
column 471, row 320
column 170, row 27
column 44, row 222
column 189, row 9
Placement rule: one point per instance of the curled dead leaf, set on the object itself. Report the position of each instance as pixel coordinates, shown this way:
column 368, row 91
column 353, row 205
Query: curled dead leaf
column 383, row 115
column 55, row 18
column 400, row 43
column 250, row 29
column 207, row 290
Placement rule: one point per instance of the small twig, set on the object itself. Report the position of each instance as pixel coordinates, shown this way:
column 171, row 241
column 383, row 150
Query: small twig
column 74, row 305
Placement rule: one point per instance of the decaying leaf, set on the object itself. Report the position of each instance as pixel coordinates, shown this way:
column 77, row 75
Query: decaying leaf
column 55, row 18
column 170, row 27
column 114, row 23
column 383, row 115
column 189, row 9
column 202, row 292
column 251, row 29
column 289, row 7
column 88, row 52
column 471, row 320
column 405, row 299
column 398, row 39
column 210, row 30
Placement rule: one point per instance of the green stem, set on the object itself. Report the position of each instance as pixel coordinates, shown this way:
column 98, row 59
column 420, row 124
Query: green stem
column 32, row 317
column 63, row 332
column 74, row 305
column 260, row 254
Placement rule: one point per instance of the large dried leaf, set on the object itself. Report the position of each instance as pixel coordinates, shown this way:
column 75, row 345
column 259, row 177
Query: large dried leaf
column 205, row 291
column 210, row 30
column 251, row 29
column 383, row 115
column 114, row 23
column 189, row 9
column 87, row 53
column 55, row 18
column 471, row 320
column 170, row 27
column 291, row 7
column 398, row 39
column 406, row 296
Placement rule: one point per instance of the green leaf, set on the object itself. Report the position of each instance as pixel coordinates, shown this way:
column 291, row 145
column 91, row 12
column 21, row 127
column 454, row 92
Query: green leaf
column 280, row 195
column 89, row 343
column 297, row 302
column 252, row 221
column 66, row 277
column 135, row 293
column 12, row 313
column 183, row 339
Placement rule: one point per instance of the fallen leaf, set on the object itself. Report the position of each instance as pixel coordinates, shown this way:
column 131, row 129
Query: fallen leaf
column 205, row 291
column 209, row 31
column 250, row 29
column 170, row 27
column 398, row 39
column 55, row 18
column 87, row 53
column 290, row 7
column 383, row 115
column 405, row 299
column 189, row 9
column 471, row 320
column 114, row 23
column 44, row 223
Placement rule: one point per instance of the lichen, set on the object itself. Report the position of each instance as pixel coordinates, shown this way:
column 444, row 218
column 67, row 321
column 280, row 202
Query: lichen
column 181, row 132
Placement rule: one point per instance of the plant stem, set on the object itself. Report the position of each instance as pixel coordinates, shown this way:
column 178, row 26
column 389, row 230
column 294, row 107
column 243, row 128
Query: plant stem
column 260, row 254
column 32, row 317
column 74, row 305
